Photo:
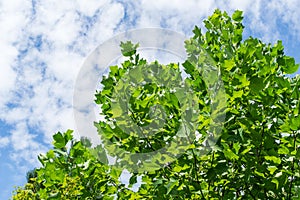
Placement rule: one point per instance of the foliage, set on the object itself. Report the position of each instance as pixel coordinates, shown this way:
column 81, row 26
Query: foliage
column 73, row 174
column 257, row 154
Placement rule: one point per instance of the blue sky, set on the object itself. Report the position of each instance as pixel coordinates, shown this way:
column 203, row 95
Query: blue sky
column 44, row 43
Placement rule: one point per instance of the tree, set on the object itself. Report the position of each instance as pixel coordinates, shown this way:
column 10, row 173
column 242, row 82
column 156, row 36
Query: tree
column 256, row 155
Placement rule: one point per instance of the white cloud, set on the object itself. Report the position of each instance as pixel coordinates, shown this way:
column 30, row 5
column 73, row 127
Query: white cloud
column 176, row 15
column 7, row 75
column 90, row 7
column 287, row 12
column 25, row 148
column 63, row 65
column 11, row 23
column 21, row 139
column 4, row 141
column 65, row 29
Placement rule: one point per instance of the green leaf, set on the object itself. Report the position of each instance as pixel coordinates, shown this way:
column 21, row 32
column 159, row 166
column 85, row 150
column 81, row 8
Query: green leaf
column 236, row 147
column 68, row 135
column 128, row 48
column 273, row 159
column 114, row 70
column 289, row 65
column 197, row 31
column 179, row 168
column 230, row 155
column 256, row 84
column 276, row 182
column 229, row 64
column 133, row 179
column 115, row 173
column 59, row 140
column 100, row 154
column 237, row 16
column 259, row 173
column 237, row 94
column 171, row 185
column 243, row 80
column 295, row 123
column 283, row 150
column 272, row 169
column 248, row 148
column 188, row 67
column 116, row 111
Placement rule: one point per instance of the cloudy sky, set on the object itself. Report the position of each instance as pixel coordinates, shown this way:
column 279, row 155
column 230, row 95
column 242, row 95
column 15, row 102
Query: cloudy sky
column 44, row 44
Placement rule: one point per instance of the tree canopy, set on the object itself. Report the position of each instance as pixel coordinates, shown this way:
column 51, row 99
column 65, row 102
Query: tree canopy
column 256, row 123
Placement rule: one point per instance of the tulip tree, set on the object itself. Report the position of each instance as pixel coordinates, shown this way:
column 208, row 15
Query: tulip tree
column 255, row 156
